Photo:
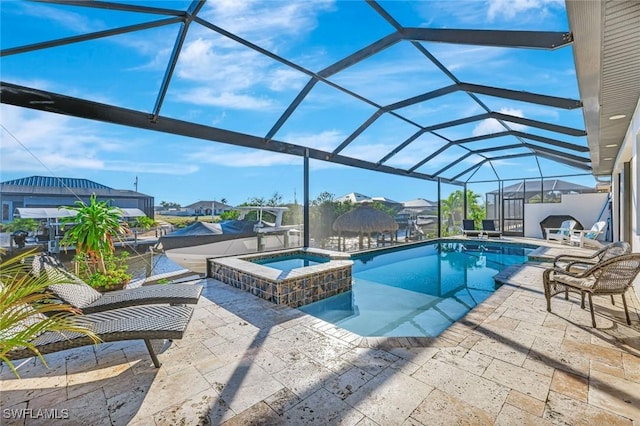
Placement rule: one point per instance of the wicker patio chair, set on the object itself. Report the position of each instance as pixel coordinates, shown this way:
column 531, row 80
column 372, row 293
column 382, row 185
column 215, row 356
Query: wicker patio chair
column 148, row 322
column 610, row 277
column 576, row 263
column 75, row 292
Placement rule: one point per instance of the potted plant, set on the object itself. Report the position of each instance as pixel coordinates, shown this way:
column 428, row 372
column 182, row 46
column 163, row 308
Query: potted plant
column 93, row 229
column 28, row 310
column 114, row 277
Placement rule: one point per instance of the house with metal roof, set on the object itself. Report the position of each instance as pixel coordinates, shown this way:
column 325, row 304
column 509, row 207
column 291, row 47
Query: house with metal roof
column 54, row 192
column 547, row 190
column 199, row 208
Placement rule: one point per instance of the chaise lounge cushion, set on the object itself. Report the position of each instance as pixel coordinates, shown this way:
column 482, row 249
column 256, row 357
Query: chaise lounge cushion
column 70, row 288
column 130, row 323
column 80, row 295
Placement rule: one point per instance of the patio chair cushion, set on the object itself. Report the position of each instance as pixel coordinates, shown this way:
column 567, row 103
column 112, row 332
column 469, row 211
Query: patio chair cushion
column 574, row 282
column 145, row 322
column 70, row 288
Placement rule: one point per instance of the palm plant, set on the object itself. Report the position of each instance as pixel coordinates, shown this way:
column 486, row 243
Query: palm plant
column 27, row 310
column 453, row 210
column 95, row 226
column 475, row 210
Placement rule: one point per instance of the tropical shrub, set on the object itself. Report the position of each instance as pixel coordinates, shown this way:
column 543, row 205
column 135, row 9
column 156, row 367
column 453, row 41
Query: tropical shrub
column 143, row 222
column 230, row 215
column 453, row 211
column 94, row 228
column 113, row 277
column 28, row 310
column 19, row 224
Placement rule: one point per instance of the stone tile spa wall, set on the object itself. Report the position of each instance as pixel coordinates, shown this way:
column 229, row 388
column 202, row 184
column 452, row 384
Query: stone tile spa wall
column 295, row 288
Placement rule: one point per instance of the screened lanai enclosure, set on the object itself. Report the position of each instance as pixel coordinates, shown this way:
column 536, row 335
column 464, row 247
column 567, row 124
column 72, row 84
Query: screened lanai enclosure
column 440, row 119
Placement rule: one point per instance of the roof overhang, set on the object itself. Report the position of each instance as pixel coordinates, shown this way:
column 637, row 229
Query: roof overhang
column 607, row 56
column 53, row 213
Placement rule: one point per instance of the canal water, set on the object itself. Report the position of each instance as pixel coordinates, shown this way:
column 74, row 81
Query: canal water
column 149, row 265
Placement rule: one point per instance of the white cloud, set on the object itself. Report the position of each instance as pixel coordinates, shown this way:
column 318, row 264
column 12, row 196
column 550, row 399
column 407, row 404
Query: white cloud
column 203, row 96
column 174, row 168
column 63, row 18
column 245, row 157
column 510, row 9
column 491, row 125
column 325, row 141
column 285, row 79
column 261, row 22
column 235, row 76
column 42, row 142
column 239, row 157
column 463, row 57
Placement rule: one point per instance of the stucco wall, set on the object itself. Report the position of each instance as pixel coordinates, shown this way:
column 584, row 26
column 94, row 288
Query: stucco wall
column 585, row 208
column 633, row 140
column 630, row 152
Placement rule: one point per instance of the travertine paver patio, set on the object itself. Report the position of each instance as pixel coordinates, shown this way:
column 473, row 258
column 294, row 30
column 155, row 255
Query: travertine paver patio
column 246, row 361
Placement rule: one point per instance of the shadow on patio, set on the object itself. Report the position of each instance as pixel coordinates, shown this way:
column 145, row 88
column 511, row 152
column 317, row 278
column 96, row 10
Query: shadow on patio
column 246, row 361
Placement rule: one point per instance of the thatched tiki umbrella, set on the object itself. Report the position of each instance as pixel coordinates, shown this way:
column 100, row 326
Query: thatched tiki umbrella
column 364, row 219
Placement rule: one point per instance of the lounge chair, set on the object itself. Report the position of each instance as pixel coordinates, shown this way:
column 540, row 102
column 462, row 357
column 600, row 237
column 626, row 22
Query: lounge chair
column 576, row 263
column 469, row 228
column 588, row 237
column 561, row 234
column 131, row 323
column 75, row 292
column 489, row 228
column 611, row 277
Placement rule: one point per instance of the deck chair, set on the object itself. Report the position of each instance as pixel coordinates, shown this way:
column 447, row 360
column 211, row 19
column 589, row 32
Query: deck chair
column 611, row 277
column 489, row 228
column 575, row 263
column 588, row 237
column 75, row 292
column 148, row 322
column 469, row 228
column 561, row 234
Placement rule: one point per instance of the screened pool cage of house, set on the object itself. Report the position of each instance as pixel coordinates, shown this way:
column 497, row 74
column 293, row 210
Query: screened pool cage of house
column 381, row 88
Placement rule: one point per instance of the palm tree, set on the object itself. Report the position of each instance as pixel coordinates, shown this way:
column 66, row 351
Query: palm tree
column 475, row 210
column 453, row 209
column 95, row 226
column 27, row 310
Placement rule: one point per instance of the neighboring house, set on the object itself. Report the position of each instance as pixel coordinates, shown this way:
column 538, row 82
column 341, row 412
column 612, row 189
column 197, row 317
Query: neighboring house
column 207, row 208
column 534, row 190
column 353, row 197
column 420, row 205
column 54, row 192
column 419, row 210
column 356, row 198
column 199, row 208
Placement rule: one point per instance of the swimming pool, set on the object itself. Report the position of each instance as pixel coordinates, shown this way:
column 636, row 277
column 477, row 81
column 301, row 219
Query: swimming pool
column 418, row 291
column 288, row 262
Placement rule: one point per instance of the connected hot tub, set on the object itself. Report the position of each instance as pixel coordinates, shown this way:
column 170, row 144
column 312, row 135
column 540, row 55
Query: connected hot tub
column 288, row 277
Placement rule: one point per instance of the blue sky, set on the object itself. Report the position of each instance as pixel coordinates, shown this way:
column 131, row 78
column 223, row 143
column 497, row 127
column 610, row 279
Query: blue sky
column 221, row 83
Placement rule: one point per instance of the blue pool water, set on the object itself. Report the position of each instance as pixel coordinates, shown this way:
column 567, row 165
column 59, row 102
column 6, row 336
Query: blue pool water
column 417, row 291
column 289, row 262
